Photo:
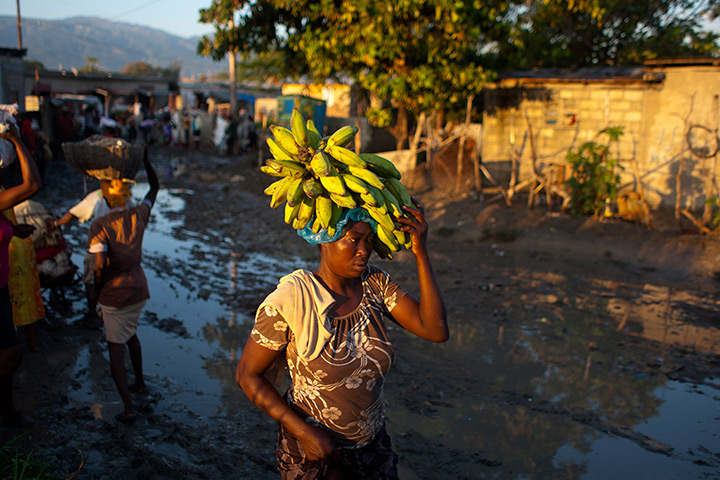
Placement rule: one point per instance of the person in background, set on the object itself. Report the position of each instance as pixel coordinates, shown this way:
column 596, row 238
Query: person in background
column 90, row 121
column 28, row 135
column 120, row 288
column 186, row 124
column 329, row 326
column 93, row 206
column 66, row 125
column 196, row 129
column 24, row 284
column 10, row 352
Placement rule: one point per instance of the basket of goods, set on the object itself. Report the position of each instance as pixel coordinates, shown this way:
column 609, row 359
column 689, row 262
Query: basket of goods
column 318, row 179
column 105, row 158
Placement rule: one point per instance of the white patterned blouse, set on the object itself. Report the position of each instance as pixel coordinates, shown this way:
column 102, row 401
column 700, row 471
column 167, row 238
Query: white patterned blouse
column 342, row 389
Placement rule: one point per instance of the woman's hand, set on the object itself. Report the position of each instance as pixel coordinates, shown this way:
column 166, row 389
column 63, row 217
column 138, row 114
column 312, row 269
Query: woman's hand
column 319, row 446
column 23, row 230
column 417, row 227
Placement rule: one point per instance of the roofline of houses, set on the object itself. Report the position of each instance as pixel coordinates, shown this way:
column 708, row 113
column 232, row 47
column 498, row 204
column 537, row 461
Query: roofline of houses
column 29, row 72
column 649, row 72
column 13, row 52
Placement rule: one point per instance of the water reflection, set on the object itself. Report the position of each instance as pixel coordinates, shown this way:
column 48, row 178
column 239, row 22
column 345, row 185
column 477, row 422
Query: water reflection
column 551, row 387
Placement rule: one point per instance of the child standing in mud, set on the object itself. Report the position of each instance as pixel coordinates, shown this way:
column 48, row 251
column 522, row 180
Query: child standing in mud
column 329, row 326
column 120, row 288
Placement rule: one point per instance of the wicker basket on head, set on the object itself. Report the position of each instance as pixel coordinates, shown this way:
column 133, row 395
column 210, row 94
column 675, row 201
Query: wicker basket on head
column 105, row 158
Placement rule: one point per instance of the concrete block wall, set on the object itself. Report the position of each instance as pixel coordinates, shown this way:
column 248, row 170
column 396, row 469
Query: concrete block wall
column 562, row 116
column 688, row 98
column 655, row 118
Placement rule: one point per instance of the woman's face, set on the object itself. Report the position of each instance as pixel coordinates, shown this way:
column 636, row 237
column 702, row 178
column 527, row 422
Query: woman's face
column 348, row 256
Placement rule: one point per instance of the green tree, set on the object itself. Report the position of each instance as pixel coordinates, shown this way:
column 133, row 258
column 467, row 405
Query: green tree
column 144, row 68
column 423, row 56
column 33, row 64
column 576, row 33
column 92, row 65
column 138, row 68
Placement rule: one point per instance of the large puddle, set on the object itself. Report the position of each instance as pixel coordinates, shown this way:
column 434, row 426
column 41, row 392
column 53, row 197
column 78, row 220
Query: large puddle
column 566, row 395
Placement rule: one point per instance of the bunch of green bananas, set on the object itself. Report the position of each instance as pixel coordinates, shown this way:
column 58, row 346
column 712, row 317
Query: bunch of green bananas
column 319, row 177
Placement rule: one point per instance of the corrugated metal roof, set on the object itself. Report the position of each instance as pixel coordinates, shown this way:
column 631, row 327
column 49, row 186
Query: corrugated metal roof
column 684, row 61
column 583, row 75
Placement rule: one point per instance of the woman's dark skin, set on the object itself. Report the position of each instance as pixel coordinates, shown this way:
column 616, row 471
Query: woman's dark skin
column 341, row 265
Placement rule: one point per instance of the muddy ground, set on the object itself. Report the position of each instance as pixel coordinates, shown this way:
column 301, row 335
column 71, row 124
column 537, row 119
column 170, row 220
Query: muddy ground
column 554, row 320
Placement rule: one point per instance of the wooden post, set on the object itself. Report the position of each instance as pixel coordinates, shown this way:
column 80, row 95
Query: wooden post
column 678, row 189
column 19, row 27
column 261, row 142
column 461, row 148
column 476, row 167
column 232, row 67
column 415, row 142
column 358, row 138
column 429, row 142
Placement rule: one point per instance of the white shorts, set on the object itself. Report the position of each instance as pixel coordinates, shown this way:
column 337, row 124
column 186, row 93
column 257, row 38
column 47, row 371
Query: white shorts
column 121, row 322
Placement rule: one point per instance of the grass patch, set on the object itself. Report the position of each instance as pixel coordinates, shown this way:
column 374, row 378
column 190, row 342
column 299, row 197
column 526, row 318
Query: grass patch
column 17, row 465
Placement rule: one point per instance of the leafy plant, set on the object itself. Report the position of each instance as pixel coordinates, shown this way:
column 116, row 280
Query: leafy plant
column 16, row 465
column 714, row 202
column 595, row 175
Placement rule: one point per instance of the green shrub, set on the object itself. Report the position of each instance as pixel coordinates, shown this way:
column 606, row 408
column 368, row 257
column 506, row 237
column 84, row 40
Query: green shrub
column 714, row 203
column 595, row 176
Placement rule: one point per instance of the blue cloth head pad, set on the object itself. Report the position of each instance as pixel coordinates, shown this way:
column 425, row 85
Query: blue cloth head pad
column 348, row 215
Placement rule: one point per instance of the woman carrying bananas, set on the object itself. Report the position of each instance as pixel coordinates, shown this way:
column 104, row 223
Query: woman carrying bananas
column 329, row 326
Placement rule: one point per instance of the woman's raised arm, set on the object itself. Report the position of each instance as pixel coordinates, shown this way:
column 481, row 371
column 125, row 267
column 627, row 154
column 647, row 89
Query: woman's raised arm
column 31, row 178
column 427, row 318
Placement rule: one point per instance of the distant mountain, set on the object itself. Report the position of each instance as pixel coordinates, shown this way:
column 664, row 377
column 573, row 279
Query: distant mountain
column 64, row 44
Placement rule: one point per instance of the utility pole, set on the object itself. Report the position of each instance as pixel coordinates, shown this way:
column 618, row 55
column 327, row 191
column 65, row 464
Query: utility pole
column 233, row 76
column 19, row 25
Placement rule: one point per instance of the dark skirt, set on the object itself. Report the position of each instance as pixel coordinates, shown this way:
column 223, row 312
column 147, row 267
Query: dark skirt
column 8, row 335
column 374, row 461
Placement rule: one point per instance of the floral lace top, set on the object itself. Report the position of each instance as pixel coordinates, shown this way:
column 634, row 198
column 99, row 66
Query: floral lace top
column 342, row 389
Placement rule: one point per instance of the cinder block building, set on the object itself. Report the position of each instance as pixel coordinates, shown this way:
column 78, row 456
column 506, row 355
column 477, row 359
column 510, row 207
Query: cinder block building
column 669, row 110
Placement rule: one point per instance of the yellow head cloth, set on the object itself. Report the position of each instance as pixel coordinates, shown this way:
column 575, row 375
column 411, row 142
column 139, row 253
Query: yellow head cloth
column 115, row 191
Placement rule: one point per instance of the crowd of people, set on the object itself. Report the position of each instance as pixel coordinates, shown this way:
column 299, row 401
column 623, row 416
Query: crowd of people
column 115, row 282
column 189, row 127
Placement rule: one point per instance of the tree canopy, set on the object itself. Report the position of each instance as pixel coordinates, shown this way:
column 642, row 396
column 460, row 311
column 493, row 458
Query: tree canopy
column 144, row 68
column 425, row 56
column 430, row 55
column 577, row 33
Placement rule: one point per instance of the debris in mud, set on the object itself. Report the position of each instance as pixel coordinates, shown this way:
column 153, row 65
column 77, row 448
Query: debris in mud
column 167, row 325
column 500, row 234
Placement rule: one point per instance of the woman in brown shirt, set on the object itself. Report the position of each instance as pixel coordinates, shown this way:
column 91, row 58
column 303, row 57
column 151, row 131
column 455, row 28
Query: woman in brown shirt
column 120, row 287
column 329, row 325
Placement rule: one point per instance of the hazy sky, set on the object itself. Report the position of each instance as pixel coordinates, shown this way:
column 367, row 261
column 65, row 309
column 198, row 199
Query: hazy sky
column 179, row 17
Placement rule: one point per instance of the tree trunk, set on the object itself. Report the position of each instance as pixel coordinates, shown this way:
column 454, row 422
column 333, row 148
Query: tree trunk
column 400, row 129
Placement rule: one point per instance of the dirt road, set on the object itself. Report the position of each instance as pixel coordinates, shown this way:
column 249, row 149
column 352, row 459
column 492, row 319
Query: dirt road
column 579, row 349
